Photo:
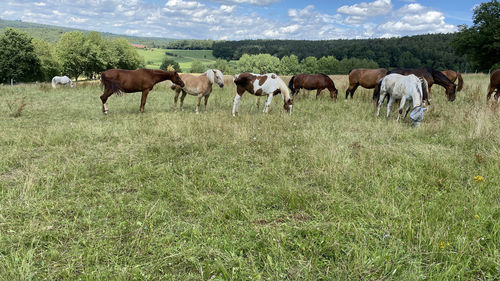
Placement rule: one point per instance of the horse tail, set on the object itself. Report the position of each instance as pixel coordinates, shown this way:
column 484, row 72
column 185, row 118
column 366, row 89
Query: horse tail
column 460, row 82
column 53, row 82
column 110, row 84
column 425, row 90
column 350, row 71
column 376, row 91
column 290, row 84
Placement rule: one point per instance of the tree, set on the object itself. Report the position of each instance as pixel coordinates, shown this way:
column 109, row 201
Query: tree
column 289, row 65
column 71, row 50
column 46, row 53
column 309, row 65
column 261, row 63
column 223, row 66
column 123, row 55
column 98, row 54
column 170, row 62
column 481, row 42
column 197, row 67
column 328, row 65
column 18, row 59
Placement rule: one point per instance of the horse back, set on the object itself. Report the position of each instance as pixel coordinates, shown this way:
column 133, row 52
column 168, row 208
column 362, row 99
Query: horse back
column 495, row 79
column 367, row 78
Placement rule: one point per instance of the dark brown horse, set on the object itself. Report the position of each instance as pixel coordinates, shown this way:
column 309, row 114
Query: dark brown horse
column 454, row 76
column 317, row 82
column 129, row 81
column 367, row 78
column 432, row 76
column 494, row 85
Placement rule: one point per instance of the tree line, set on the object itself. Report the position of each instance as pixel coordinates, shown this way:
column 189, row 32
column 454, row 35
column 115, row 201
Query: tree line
column 26, row 59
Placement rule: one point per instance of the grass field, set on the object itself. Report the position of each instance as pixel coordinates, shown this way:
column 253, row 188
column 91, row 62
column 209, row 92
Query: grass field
column 328, row 193
column 154, row 57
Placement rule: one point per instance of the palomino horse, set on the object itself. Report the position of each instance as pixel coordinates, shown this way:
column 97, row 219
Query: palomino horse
column 316, row 82
column 431, row 76
column 129, row 81
column 402, row 87
column 494, row 85
column 266, row 84
column 63, row 80
column 367, row 78
column 454, row 76
column 200, row 86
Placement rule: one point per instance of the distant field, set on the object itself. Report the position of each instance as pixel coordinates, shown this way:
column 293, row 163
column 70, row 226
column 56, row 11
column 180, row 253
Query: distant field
column 154, row 57
column 328, row 193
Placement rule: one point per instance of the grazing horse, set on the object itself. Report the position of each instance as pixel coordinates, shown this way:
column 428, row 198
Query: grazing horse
column 431, row 76
column 453, row 76
column 63, row 80
column 494, row 85
column 316, row 82
column 402, row 87
column 200, row 86
column 259, row 85
column 129, row 81
column 367, row 78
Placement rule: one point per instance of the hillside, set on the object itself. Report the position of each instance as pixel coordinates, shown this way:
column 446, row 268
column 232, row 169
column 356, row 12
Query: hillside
column 52, row 33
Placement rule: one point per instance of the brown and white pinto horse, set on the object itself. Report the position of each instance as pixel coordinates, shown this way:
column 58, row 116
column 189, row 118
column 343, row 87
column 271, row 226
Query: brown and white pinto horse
column 494, row 85
column 129, row 81
column 454, row 76
column 367, row 78
column 259, row 85
column 317, row 82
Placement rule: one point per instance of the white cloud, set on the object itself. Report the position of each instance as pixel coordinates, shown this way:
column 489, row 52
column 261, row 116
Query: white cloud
column 362, row 11
column 251, row 2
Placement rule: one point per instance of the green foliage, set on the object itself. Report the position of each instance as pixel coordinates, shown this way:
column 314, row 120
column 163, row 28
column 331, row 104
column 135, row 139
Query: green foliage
column 328, row 65
column 170, row 63
column 223, row 66
column 18, row 59
column 289, row 65
column 261, row 63
column 309, row 65
column 345, row 65
column 190, row 44
column 481, row 42
column 98, row 54
column 73, row 54
column 123, row 55
column 197, row 67
column 50, row 65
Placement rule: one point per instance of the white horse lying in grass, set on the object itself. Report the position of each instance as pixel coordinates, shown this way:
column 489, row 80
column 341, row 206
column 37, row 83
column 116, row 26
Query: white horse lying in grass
column 64, row 80
column 259, row 85
column 200, row 86
column 402, row 87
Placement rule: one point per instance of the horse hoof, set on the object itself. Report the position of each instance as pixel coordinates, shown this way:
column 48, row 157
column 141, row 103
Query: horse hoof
column 105, row 112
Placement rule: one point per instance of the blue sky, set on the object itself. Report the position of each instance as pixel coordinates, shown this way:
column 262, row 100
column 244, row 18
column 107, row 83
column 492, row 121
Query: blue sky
column 248, row 19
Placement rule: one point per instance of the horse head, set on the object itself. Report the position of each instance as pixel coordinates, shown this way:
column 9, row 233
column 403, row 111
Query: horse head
column 288, row 105
column 215, row 76
column 176, row 79
column 451, row 92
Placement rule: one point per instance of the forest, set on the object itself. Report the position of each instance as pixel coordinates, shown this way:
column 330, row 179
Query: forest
column 431, row 50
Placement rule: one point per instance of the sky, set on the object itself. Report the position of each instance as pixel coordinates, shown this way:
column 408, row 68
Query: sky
column 248, row 19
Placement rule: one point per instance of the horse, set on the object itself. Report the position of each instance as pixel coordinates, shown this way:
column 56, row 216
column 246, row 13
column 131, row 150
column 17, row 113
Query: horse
column 316, row 82
column 431, row 76
column 454, row 76
column 200, row 86
column 130, row 81
column 402, row 87
column 64, row 80
column 494, row 85
column 367, row 78
column 268, row 84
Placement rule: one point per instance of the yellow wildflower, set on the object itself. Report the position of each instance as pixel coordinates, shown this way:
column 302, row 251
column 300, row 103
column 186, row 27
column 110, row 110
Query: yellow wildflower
column 476, row 216
column 478, row 179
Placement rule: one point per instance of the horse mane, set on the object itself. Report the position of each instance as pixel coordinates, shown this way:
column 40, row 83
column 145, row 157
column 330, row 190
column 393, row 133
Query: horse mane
column 290, row 84
column 460, row 82
column 439, row 77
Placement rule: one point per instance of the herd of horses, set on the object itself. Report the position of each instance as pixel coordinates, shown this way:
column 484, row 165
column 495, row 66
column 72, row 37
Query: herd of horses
column 405, row 84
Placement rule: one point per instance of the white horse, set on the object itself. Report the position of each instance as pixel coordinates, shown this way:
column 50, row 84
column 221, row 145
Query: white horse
column 200, row 86
column 403, row 87
column 259, row 85
column 64, row 80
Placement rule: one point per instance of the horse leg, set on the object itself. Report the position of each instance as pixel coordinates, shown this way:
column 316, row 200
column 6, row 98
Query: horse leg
column 176, row 97
column 490, row 92
column 354, row 89
column 206, row 100
column 497, row 95
column 268, row 102
column 143, row 99
column 237, row 98
column 198, row 105
column 380, row 102
column 401, row 106
column 182, row 99
column 104, row 99
column 258, row 102
column 318, row 91
column 391, row 100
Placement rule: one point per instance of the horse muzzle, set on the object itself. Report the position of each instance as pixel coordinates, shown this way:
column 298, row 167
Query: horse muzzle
column 221, row 85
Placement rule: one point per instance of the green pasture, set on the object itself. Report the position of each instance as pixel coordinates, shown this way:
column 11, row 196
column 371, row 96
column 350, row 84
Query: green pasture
column 154, row 57
column 328, row 193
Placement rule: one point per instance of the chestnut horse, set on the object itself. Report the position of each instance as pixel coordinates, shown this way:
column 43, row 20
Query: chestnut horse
column 367, row 78
column 266, row 84
column 453, row 76
column 432, row 76
column 494, row 85
column 316, row 82
column 129, row 81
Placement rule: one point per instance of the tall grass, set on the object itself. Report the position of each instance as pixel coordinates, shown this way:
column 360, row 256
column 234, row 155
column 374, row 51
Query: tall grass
column 330, row 192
